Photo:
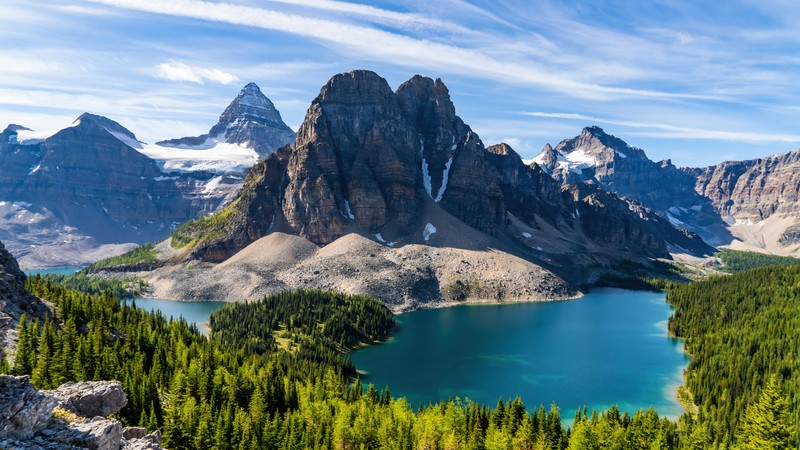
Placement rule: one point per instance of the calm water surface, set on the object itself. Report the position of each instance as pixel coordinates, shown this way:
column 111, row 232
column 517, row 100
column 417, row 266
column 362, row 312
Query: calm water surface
column 194, row 312
column 610, row 347
column 54, row 271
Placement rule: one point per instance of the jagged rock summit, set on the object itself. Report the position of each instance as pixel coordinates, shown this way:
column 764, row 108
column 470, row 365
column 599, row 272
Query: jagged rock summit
column 381, row 176
column 251, row 120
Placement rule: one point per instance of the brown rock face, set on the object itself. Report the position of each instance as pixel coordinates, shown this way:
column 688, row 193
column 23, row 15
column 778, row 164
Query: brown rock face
column 355, row 163
column 754, row 189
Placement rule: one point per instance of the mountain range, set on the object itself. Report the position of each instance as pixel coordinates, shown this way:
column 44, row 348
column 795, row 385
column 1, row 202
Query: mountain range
column 69, row 197
column 384, row 192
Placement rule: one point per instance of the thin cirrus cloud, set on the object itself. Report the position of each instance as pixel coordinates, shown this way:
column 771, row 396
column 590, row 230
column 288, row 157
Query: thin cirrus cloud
column 668, row 131
column 394, row 48
column 175, row 71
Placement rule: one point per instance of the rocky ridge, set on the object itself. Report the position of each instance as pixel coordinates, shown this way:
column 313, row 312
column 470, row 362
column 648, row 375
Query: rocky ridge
column 69, row 417
column 603, row 159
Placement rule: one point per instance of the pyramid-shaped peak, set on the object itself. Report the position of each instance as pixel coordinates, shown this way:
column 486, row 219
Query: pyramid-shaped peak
column 252, row 97
column 93, row 120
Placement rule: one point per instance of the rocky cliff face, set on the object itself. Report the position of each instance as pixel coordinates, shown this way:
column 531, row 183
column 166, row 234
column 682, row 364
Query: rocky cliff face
column 250, row 120
column 70, row 417
column 15, row 301
column 754, row 189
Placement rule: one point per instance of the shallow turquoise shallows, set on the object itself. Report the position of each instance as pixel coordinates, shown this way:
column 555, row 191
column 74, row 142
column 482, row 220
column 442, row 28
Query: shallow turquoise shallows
column 53, row 271
column 609, row 347
column 194, row 312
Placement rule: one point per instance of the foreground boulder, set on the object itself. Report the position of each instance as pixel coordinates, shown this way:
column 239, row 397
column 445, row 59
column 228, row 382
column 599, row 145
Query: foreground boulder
column 57, row 419
column 90, row 398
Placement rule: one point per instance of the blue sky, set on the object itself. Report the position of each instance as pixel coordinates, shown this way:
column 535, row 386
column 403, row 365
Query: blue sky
column 695, row 81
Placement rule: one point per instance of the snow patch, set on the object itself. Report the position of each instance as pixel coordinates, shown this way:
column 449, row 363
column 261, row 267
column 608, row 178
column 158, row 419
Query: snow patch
column 620, row 154
column 348, row 211
column 30, row 137
column 379, row 238
column 453, row 148
column 125, row 139
column 212, row 185
column 696, row 208
column 35, row 169
column 675, row 222
column 426, row 178
column 526, row 235
column 271, row 223
column 163, row 178
column 428, row 231
column 445, row 177
column 221, row 158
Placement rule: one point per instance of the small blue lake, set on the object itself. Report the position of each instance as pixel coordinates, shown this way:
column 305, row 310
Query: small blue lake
column 194, row 312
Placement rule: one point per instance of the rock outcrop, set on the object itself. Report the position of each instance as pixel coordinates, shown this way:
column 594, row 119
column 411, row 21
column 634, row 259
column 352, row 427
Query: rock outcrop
column 64, row 419
column 15, row 301
column 754, row 189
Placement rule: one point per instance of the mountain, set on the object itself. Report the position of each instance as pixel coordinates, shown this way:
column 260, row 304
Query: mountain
column 389, row 193
column 71, row 196
column 251, row 121
column 612, row 164
column 746, row 204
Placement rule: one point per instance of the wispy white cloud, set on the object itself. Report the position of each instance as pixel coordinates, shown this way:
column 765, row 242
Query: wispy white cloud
column 177, row 71
column 394, row 48
column 379, row 15
column 669, row 131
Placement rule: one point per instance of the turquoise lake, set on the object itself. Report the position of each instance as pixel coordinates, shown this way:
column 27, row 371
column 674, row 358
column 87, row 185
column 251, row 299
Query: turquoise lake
column 194, row 312
column 54, row 271
column 608, row 348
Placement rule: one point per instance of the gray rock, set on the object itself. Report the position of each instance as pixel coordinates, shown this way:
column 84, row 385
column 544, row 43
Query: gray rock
column 130, row 433
column 15, row 301
column 96, row 434
column 90, row 398
column 151, row 441
column 23, row 410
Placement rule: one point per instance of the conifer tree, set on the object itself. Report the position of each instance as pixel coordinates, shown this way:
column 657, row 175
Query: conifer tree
column 766, row 424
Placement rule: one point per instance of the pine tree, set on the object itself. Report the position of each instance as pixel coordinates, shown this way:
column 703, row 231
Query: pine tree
column 766, row 424
column 24, row 360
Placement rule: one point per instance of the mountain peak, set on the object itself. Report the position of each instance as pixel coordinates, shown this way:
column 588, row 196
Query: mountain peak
column 250, row 120
column 595, row 131
column 93, row 120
